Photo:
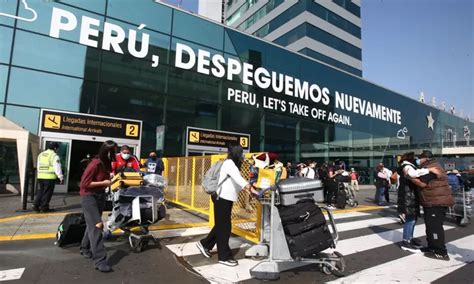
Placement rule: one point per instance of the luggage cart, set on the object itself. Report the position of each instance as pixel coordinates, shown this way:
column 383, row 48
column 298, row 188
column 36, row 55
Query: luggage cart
column 135, row 208
column 461, row 212
column 275, row 251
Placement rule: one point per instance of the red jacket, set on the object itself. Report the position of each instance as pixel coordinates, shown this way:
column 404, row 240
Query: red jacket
column 119, row 163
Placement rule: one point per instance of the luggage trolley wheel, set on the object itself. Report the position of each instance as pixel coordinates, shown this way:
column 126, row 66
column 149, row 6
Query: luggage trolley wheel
column 137, row 243
column 340, row 265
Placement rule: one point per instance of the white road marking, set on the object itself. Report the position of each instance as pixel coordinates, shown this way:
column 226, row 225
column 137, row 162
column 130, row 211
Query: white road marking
column 11, row 274
column 363, row 243
column 365, row 224
column 161, row 234
column 219, row 273
column 186, row 249
column 416, row 267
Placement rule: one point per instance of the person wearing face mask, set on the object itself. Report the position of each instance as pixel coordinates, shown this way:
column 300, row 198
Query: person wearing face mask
column 154, row 164
column 124, row 161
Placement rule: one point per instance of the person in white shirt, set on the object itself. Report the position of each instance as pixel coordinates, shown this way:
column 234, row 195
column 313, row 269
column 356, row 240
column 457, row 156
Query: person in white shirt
column 306, row 171
column 232, row 183
column 388, row 174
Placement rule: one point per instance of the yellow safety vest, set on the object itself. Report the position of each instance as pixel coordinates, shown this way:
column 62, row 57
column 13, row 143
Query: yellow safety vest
column 45, row 165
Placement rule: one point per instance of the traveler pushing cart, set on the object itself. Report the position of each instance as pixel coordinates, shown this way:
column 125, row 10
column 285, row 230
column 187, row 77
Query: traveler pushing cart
column 291, row 238
column 462, row 208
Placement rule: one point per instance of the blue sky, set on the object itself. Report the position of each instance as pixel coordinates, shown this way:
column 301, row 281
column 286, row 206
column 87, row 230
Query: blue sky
column 416, row 45
column 421, row 45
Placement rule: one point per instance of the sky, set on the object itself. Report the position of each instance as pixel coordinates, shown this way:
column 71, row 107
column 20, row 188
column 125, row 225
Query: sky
column 421, row 45
column 413, row 46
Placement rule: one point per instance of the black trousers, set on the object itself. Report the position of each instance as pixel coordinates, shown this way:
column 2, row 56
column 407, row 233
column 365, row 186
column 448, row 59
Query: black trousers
column 220, row 233
column 434, row 218
column 93, row 206
column 387, row 194
column 44, row 193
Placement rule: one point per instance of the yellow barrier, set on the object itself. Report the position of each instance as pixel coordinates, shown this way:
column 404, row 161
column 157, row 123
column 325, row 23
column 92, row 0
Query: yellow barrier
column 185, row 175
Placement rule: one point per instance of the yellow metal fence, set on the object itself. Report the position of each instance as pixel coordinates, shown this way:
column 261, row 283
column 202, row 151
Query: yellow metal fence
column 185, row 175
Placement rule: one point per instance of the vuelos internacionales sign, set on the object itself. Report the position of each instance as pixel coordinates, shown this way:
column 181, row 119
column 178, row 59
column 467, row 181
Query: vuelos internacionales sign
column 89, row 125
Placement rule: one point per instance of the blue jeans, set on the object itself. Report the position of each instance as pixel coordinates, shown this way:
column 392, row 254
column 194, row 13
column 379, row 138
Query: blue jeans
column 380, row 195
column 409, row 227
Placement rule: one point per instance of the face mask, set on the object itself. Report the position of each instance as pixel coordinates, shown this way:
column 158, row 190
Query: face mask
column 153, row 157
column 125, row 156
column 417, row 162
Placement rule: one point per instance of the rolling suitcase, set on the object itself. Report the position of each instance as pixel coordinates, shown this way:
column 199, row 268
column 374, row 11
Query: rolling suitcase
column 341, row 197
column 294, row 189
column 310, row 242
column 71, row 230
column 126, row 179
column 301, row 217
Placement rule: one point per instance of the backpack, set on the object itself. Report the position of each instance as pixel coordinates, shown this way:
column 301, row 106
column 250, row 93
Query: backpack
column 210, row 181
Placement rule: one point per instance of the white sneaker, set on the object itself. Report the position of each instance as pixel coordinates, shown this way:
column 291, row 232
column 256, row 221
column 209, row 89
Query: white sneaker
column 203, row 250
column 230, row 262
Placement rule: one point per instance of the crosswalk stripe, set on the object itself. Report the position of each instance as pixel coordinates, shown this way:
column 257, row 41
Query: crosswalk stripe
column 11, row 274
column 342, row 227
column 363, row 243
column 218, row 273
column 186, row 249
column 421, row 269
column 161, row 234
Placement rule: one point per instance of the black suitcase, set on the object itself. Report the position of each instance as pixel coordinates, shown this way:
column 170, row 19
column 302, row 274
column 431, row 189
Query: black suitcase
column 71, row 230
column 341, row 197
column 301, row 217
column 311, row 242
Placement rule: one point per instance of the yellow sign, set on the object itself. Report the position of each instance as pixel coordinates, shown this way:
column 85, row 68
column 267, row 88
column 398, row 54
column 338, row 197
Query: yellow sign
column 194, row 137
column 132, row 130
column 52, row 121
column 244, row 142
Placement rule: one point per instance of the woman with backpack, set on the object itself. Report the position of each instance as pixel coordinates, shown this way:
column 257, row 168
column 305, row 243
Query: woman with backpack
column 231, row 183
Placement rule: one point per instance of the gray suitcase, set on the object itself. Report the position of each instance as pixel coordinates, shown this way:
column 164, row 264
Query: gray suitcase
column 294, row 189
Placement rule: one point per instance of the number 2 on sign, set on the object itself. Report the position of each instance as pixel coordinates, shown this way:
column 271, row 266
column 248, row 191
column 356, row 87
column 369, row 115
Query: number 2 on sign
column 131, row 130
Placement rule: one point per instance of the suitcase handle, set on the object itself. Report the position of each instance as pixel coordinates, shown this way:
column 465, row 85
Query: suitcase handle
column 305, row 195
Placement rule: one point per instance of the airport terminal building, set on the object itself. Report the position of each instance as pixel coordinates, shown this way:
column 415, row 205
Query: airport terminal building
column 152, row 71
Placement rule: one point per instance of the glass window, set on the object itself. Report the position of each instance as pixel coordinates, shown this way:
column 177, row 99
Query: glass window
column 203, row 32
column 94, row 6
column 321, row 36
column 45, row 90
column 156, row 16
column 3, row 83
column 158, row 43
column 349, row 6
column 25, row 117
column 331, row 61
column 5, row 43
column 43, row 22
column 262, row 12
column 55, row 55
column 8, row 7
column 237, row 14
column 129, row 71
column 186, row 112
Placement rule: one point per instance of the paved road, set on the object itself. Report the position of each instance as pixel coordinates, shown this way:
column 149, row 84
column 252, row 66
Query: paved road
column 368, row 242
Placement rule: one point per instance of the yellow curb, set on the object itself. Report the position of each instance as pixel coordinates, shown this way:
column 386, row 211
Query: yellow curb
column 118, row 231
column 20, row 217
column 359, row 208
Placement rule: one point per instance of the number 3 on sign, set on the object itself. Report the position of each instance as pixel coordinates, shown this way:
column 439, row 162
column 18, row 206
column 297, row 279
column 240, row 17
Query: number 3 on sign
column 131, row 130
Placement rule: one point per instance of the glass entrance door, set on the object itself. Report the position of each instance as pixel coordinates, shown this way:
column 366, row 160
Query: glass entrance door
column 64, row 153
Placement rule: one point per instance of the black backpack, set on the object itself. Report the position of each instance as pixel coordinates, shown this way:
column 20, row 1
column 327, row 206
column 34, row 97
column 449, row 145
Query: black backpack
column 341, row 198
column 71, row 230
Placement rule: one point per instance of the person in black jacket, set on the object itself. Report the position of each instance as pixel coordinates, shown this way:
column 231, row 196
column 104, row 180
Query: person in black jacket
column 408, row 203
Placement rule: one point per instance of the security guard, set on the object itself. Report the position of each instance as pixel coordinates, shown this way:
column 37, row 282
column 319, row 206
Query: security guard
column 49, row 170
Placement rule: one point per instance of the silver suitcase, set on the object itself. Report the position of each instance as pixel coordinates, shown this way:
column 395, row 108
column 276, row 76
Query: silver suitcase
column 294, row 189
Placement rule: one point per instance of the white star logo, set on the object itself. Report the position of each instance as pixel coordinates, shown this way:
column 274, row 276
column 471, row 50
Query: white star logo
column 431, row 121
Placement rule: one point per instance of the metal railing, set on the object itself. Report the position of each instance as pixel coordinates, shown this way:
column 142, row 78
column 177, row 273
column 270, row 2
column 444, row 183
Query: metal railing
column 185, row 175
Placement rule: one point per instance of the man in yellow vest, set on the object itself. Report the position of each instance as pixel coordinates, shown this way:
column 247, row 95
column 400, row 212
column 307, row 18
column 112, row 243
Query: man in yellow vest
column 49, row 170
